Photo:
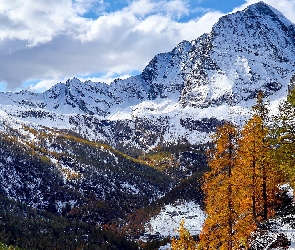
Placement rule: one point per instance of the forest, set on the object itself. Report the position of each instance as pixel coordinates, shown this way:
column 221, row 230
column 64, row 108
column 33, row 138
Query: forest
column 247, row 168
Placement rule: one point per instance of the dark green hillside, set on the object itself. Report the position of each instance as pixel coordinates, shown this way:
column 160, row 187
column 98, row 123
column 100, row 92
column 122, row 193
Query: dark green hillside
column 68, row 175
column 80, row 181
column 22, row 227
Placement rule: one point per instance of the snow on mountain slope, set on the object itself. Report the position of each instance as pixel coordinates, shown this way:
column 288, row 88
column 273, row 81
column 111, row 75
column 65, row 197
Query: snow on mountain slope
column 168, row 220
column 56, row 171
column 216, row 76
column 245, row 52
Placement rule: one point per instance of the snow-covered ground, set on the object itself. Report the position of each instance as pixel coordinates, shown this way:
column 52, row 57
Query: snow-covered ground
column 166, row 247
column 278, row 229
column 289, row 232
column 167, row 221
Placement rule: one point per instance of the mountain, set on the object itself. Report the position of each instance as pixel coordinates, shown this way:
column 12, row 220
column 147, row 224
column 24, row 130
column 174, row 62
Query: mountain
column 104, row 153
column 204, row 81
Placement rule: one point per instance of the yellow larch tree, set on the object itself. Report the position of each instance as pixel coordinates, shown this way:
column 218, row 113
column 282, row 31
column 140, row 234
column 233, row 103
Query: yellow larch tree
column 218, row 229
column 242, row 185
column 257, row 176
column 185, row 241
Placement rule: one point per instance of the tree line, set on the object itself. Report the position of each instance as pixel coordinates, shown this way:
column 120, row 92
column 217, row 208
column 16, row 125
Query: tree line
column 247, row 165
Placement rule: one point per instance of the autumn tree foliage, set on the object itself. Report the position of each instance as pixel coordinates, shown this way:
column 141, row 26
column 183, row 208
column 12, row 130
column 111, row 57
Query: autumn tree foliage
column 218, row 229
column 256, row 175
column 185, row 241
column 257, row 178
column 242, row 186
column 256, row 165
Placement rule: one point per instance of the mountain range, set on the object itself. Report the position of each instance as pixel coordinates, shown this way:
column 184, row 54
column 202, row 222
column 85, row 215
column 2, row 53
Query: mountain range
column 96, row 152
column 182, row 94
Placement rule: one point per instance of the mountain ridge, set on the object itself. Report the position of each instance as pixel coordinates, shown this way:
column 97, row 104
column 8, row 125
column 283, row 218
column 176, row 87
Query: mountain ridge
column 215, row 76
column 191, row 74
column 180, row 98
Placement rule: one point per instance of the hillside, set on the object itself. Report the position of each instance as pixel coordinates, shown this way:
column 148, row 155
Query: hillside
column 58, row 171
column 25, row 228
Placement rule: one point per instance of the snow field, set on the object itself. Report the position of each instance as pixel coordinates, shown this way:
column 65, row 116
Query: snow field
column 167, row 221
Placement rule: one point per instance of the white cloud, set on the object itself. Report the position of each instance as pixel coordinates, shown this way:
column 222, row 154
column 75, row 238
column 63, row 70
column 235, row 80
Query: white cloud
column 173, row 8
column 49, row 40
column 33, row 21
column 45, row 84
column 205, row 23
column 106, row 78
column 141, row 7
column 82, row 6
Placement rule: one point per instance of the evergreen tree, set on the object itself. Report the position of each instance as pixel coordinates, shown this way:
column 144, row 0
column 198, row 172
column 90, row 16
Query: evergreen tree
column 261, row 111
column 284, row 137
column 218, row 229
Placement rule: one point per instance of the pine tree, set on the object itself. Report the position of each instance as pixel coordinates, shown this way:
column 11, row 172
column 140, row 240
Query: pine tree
column 185, row 242
column 218, row 229
column 284, row 137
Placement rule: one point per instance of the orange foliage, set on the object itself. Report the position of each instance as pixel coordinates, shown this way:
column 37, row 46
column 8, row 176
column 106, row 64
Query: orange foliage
column 185, row 242
column 218, row 229
column 241, row 188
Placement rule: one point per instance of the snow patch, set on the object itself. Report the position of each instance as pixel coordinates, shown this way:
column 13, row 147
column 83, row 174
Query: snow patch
column 168, row 220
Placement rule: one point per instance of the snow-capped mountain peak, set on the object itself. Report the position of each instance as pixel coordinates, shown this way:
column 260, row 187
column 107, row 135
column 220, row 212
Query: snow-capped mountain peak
column 212, row 77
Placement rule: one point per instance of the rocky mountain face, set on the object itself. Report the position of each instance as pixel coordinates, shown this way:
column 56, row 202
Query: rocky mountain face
column 245, row 52
column 96, row 152
column 213, row 77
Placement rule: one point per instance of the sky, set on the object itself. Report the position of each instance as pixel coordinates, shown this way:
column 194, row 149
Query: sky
column 45, row 42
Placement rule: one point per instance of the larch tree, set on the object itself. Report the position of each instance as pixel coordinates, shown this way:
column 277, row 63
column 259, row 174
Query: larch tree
column 218, row 229
column 257, row 174
column 185, row 241
column 248, row 194
column 242, row 185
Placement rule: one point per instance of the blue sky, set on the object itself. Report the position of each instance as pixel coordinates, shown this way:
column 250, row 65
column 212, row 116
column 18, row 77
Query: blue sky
column 45, row 42
column 223, row 6
column 197, row 7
